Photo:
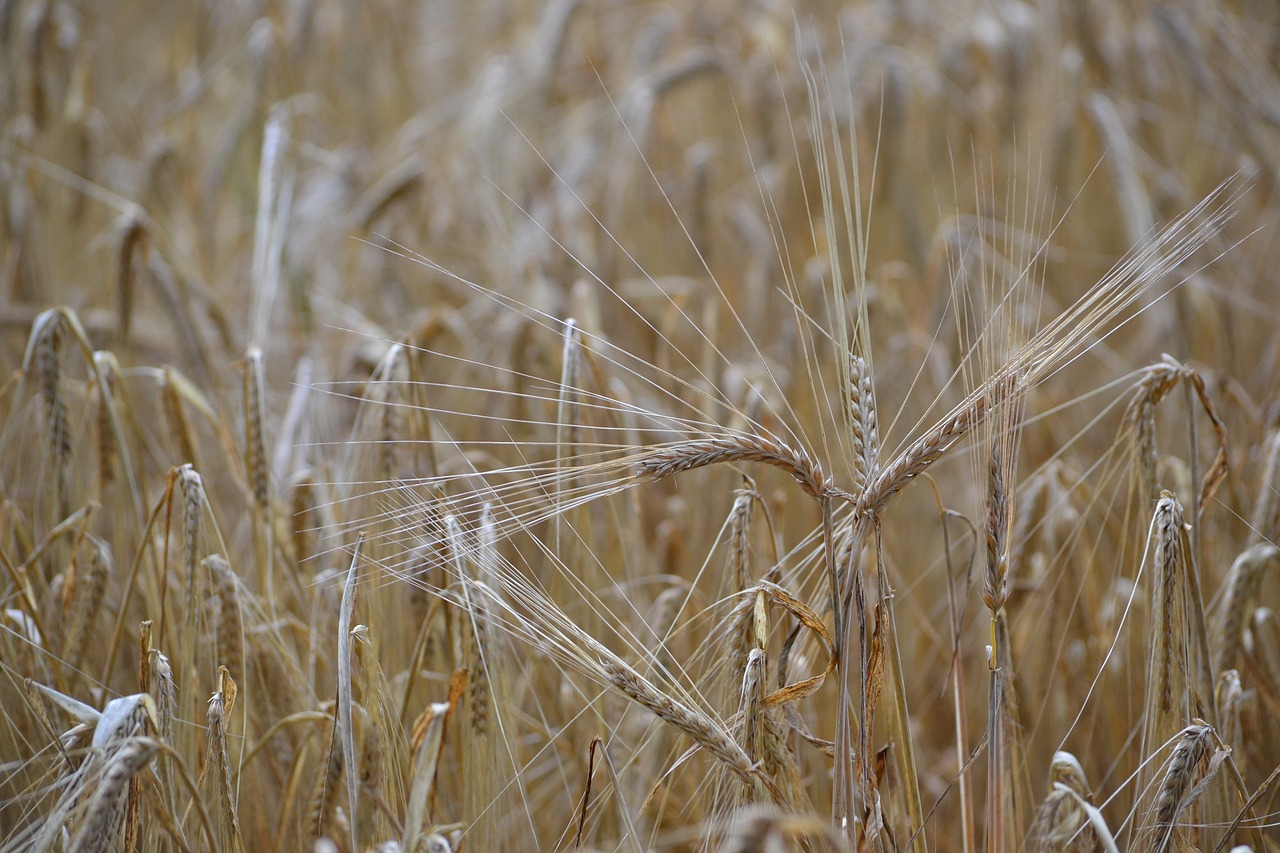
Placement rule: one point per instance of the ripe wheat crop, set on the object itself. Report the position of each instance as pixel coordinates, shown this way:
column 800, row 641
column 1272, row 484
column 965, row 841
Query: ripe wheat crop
column 589, row 425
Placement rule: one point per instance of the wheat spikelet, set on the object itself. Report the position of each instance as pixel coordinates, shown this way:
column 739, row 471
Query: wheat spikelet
column 862, row 423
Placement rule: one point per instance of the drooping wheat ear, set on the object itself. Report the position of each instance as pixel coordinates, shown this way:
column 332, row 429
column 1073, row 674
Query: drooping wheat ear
column 255, row 445
column 1139, row 420
column 699, row 452
column 1243, row 583
column 100, row 828
column 217, row 770
column 191, row 490
column 1265, row 524
column 176, row 415
column 229, row 645
column 1066, row 817
column 44, row 363
column 1060, row 821
column 697, row 725
column 862, row 423
column 1065, row 769
column 1196, row 758
column 87, row 603
column 1229, row 698
column 931, row 446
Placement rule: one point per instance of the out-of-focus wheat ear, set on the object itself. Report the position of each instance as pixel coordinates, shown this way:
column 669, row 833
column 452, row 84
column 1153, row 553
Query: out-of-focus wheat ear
column 191, row 492
column 1262, row 653
column 257, row 469
column 131, row 246
column 275, row 193
column 324, row 794
column 1229, row 698
column 344, row 725
column 87, row 603
column 567, row 428
column 217, row 773
column 428, row 738
column 386, row 391
column 384, row 763
column 1265, row 523
column 481, row 729
column 100, row 828
column 1063, row 815
column 1197, row 755
column 420, row 431
column 104, row 429
column 43, row 364
column 1135, row 204
column 1244, row 580
column 862, row 423
column 175, row 413
column 229, row 645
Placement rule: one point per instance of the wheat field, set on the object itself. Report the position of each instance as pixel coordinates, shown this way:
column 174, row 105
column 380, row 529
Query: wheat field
column 627, row 426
